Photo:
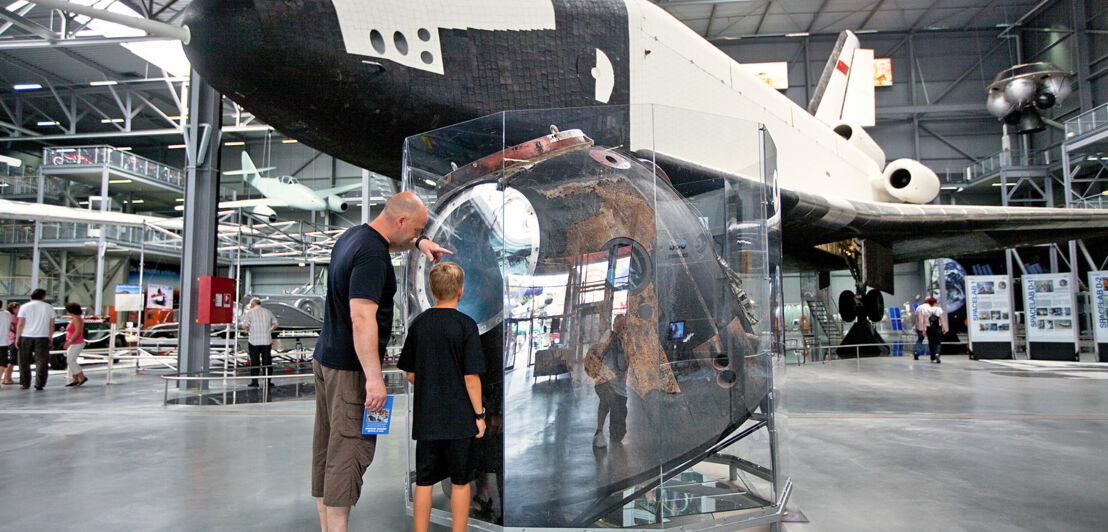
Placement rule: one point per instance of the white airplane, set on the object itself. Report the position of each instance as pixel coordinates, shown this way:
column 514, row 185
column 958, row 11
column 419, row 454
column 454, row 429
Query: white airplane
column 284, row 191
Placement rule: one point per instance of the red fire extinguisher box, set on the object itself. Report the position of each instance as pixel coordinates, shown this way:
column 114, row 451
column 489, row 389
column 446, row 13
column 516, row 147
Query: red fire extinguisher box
column 216, row 299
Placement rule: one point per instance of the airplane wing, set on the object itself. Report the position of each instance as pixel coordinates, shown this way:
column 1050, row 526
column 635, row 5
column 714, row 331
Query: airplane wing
column 19, row 210
column 918, row 232
column 265, row 202
column 338, row 190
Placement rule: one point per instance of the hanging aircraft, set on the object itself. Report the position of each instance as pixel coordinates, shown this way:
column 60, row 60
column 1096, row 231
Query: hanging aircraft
column 284, row 191
column 42, row 212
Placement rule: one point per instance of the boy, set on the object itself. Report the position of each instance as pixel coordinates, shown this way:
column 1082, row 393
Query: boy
column 443, row 359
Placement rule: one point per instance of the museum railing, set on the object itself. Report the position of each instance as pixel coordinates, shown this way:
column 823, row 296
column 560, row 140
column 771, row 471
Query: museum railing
column 27, row 185
column 92, row 156
column 1087, row 122
column 1006, row 159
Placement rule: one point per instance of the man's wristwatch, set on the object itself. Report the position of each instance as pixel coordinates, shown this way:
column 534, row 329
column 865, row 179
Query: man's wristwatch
column 420, row 239
column 481, row 415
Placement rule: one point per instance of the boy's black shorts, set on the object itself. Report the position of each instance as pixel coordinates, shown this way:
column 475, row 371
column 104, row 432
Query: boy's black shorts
column 440, row 459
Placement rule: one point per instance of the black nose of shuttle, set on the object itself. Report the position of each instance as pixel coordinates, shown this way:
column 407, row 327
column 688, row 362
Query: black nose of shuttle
column 227, row 42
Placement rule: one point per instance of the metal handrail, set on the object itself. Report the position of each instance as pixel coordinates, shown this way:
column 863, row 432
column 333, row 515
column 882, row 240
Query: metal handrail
column 1087, row 122
column 85, row 156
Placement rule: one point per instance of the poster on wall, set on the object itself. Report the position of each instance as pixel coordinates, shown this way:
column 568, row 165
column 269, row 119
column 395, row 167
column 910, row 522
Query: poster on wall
column 990, row 308
column 128, row 298
column 1050, row 305
column 1098, row 289
column 159, row 296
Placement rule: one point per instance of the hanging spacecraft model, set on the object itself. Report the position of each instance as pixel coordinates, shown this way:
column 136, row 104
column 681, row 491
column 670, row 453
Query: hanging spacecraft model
column 1017, row 94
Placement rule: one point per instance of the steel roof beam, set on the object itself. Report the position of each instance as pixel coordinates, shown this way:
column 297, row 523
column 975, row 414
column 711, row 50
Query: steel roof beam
column 28, row 25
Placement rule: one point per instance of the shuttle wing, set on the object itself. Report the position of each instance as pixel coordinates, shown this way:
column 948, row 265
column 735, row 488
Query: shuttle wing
column 917, row 232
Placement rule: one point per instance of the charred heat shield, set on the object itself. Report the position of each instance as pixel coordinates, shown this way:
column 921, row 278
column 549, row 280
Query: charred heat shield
column 622, row 264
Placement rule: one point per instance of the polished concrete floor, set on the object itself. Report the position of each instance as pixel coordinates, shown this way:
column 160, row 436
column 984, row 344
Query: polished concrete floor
column 874, row 444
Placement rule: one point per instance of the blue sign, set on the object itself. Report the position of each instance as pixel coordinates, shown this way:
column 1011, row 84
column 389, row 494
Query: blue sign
column 128, row 289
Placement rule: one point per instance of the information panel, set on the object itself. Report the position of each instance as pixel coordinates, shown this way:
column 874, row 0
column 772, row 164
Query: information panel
column 1049, row 301
column 1098, row 289
column 990, row 308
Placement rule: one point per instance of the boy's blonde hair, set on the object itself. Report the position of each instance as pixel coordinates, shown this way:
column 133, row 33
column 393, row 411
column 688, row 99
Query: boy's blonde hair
column 446, row 279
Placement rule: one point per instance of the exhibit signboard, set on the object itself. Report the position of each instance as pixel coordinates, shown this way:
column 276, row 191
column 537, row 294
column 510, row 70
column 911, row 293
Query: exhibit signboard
column 1050, row 306
column 1098, row 304
column 128, row 297
column 989, row 313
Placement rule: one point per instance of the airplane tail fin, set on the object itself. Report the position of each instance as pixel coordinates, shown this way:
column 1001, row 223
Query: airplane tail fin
column 845, row 90
column 249, row 170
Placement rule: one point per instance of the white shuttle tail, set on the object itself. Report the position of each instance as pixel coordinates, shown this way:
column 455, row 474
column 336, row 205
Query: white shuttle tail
column 845, row 90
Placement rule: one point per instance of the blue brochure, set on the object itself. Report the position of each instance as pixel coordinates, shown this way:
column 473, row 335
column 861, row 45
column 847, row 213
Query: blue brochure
column 374, row 423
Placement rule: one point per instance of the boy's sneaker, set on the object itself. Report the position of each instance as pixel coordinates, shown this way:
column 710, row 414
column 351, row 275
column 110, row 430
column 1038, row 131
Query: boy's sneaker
column 598, row 440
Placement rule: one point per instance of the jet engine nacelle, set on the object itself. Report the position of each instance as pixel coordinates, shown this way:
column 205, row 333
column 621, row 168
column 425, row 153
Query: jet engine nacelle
column 910, row 181
column 336, row 204
column 265, row 212
column 858, row 138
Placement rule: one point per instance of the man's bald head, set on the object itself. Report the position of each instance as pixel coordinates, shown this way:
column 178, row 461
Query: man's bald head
column 403, row 204
column 401, row 221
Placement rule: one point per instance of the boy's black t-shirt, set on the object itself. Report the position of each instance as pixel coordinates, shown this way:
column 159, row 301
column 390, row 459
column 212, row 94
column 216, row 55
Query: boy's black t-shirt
column 443, row 346
column 360, row 268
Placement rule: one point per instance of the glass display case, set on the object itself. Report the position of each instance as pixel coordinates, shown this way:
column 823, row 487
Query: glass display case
column 623, row 266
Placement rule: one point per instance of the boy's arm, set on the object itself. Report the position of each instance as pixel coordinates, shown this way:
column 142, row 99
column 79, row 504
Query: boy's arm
column 411, row 376
column 473, row 388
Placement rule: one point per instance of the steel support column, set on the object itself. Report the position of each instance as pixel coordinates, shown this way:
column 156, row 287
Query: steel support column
column 201, row 199
column 1081, row 51
column 101, row 245
column 38, row 232
column 365, row 196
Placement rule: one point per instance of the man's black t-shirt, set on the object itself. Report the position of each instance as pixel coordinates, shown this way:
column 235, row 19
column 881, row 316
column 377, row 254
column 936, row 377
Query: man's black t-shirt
column 360, row 269
column 443, row 346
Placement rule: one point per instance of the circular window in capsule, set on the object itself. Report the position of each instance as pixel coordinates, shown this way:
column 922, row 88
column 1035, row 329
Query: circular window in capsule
column 493, row 233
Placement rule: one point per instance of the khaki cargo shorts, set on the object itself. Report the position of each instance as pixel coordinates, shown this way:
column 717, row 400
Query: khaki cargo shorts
column 340, row 454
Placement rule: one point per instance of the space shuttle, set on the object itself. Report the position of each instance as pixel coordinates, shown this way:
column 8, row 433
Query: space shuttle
column 354, row 78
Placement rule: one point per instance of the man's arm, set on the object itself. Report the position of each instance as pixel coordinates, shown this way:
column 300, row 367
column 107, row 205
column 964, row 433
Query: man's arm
column 473, row 388
column 431, row 250
column 19, row 328
column 363, row 316
column 411, row 376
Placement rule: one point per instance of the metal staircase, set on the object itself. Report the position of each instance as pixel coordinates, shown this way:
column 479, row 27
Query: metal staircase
column 827, row 320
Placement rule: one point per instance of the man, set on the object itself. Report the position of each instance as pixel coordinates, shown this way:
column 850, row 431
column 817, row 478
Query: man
column 611, row 385
column 931, row 320
column 32, row 333
column 260, row 323
column 357, row 325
